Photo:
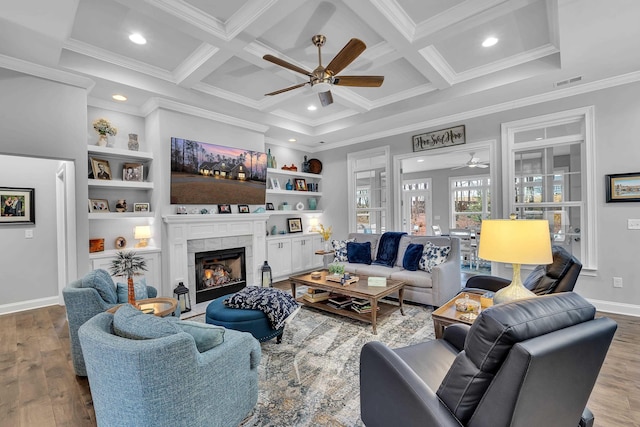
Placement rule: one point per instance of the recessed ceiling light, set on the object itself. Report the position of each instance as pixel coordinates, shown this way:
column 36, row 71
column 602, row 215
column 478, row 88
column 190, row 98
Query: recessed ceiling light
column 538, row 138
column 119, row 97
column 292, row 140
column 489, row 41
column 137, row 38
column 420, row 160
column 312, row 108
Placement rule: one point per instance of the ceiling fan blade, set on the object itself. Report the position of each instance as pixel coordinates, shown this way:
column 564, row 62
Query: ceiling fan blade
column 458, row 167
column 482, row 165
column 286, row 89
column 361, row 81
column 346, row 56
column 325, row 98
column 287, row 65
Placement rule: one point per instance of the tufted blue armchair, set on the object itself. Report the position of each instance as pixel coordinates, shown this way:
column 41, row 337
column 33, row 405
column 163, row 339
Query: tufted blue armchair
column 84, row 298
column 166, row 381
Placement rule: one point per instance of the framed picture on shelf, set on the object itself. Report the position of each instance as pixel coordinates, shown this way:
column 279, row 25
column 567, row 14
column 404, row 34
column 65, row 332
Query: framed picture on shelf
column 301, row 184
column 18, row 205
column 243, row 208
column 133, row 172
column 141, row 207
column 294, row 225
column 623, row 187
column 224, row 209
column 270, row 207
column 98, row 205
column 275, row 184
column 101, row 169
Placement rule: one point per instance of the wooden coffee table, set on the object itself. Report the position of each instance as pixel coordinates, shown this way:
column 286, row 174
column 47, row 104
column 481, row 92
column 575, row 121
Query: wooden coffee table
column 358, row 289
column 448, row 315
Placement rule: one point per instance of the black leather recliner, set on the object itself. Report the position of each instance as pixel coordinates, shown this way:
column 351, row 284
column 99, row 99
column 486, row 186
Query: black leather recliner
column 531, row 362
column 559, row 276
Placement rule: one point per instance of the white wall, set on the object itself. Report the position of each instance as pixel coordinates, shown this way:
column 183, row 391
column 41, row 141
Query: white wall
column 40, row 118
column 617, row 151
column 30, row 266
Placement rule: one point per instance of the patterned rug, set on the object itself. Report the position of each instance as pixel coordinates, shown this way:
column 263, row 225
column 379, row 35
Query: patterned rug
column 312, row 377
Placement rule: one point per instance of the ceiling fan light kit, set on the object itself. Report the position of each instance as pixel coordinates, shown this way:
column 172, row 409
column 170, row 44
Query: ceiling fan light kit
column 322, row 78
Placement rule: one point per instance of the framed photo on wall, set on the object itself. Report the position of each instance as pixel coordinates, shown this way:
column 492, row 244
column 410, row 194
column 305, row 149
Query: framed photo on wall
column 132, row 172
column 141, row 207
column 98, row 205
column 294, row 225
column 243, row 208
column 623, row 187
column 101, row 169
column 301, row 184
column 275, row 184
column 270, row 206
column 17, row 205
column 224, row 209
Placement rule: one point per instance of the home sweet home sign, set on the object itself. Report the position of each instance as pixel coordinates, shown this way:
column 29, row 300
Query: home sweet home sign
column 439, row 138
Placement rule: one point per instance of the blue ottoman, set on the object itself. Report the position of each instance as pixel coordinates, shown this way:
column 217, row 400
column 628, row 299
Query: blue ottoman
column 253, row 321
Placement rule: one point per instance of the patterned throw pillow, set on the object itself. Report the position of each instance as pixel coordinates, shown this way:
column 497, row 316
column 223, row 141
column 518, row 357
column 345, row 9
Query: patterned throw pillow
column 340, row 246
column 432, row 256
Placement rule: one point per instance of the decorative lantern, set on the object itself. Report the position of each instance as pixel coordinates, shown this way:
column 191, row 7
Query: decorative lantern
column 181, row 293
column 267, row 280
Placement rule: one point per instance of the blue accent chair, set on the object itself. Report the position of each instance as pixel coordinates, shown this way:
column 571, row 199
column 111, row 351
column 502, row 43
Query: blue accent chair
column 167, row 382
column 84, row 298
column 253, row 321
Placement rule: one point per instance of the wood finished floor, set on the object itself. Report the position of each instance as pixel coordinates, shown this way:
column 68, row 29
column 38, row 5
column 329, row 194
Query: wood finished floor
column 39, row 388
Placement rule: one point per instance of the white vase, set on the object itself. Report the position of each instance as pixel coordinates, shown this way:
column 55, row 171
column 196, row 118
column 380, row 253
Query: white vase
column 327, row 246
column 102, row 141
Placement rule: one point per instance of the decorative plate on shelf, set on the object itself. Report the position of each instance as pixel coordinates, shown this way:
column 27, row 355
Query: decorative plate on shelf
column 121, row 243
column 315, row 166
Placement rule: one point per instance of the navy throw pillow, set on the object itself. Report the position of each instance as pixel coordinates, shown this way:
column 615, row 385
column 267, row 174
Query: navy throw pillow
column 359, row 253
column 412, row 256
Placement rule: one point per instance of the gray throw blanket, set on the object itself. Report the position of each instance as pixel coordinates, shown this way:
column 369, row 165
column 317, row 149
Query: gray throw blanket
column 275, row 303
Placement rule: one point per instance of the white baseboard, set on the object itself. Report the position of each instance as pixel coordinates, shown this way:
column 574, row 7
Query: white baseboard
column 616, row 307
column 28, row 305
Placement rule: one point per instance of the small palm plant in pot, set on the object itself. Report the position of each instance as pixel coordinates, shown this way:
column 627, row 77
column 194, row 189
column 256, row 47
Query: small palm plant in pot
column 127, row 263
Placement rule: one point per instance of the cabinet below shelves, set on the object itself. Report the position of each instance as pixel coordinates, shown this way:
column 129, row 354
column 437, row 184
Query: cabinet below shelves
column 288, row 254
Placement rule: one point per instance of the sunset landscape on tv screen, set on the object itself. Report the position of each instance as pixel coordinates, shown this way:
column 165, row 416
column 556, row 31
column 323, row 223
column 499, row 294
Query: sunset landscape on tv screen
column 203, row 173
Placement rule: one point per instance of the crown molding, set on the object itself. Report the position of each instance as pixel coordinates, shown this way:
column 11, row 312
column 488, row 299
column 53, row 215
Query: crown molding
column 314, row 122
column 119, row 60
column 632, row 77
column 166, row 104
column 192, row 16
column 438, row 63
column 224, row 94
column 114, row 106
column 397, row 16
column 41, row 71
column 246, row 15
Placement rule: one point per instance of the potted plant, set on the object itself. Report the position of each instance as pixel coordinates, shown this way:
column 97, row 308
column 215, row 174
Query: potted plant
column 336, row 269
column 128, row 264
column 104, row 128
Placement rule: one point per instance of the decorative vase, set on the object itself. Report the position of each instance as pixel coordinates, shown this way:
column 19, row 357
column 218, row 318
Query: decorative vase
column 289, row 185
column 269, row 159
column 313, row 203
column 102, row 140
column 121, row 205
column 327, row 246
column 133, row 142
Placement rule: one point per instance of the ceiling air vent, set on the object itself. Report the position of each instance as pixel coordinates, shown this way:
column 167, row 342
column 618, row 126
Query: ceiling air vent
column 568, row 81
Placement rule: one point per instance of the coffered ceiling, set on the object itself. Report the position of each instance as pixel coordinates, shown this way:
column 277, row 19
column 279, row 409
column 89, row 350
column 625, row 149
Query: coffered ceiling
column 208, row 54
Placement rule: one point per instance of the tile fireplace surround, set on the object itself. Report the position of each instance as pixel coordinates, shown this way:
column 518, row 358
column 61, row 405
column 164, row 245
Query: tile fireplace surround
column 187, row 234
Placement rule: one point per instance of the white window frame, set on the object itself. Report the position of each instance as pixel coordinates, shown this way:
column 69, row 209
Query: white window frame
column 588, row 255
column 352, row 169
column 484, row 189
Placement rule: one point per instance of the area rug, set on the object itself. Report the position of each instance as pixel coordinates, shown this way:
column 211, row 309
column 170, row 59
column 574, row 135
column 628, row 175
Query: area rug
column 312, row 377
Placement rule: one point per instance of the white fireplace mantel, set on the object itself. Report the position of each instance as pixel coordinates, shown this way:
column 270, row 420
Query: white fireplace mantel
column 182, row 228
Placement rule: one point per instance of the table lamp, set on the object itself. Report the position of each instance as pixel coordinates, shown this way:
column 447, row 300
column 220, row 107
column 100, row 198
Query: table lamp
column 515, row 241
column 142, row 233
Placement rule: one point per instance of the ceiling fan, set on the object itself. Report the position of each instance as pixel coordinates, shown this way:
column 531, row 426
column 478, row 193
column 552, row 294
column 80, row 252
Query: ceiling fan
column 322, row 78
column 474, row 162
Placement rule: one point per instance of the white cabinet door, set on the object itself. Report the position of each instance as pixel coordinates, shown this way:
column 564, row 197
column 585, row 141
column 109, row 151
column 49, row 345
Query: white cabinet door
column 317, row 244
column 279, row 257
column 302, row 253
column 152, row 275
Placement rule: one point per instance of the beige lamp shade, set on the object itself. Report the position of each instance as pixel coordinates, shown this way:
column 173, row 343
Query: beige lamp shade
column 516, row 241
column 142, row 233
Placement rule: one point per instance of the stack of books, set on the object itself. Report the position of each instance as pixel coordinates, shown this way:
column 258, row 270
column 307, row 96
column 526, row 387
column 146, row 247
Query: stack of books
column 339, row 301
column 316, row 295
column 362, row 306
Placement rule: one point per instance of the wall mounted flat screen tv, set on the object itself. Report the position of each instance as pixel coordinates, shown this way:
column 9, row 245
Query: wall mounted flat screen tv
column 203, row 173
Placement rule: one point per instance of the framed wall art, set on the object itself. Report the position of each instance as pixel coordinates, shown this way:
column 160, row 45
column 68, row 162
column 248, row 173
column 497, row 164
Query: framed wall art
column 243, row 208
column 141, row 207
column 132, row 172
column 294, row 225
column 623, row 187
column 18, row 205
column 224, row 209
column 301, row 184
column 98, row 205
column 101, row 169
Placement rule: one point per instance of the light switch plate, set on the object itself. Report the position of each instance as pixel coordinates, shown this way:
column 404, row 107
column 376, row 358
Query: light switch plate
column 633, row 224
column 28, row 234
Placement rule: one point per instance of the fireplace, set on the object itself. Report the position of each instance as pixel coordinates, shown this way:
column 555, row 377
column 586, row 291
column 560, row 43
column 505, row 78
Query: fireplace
column 219, row 272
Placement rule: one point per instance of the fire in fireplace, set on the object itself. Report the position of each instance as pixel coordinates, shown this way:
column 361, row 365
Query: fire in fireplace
column 219, row 273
